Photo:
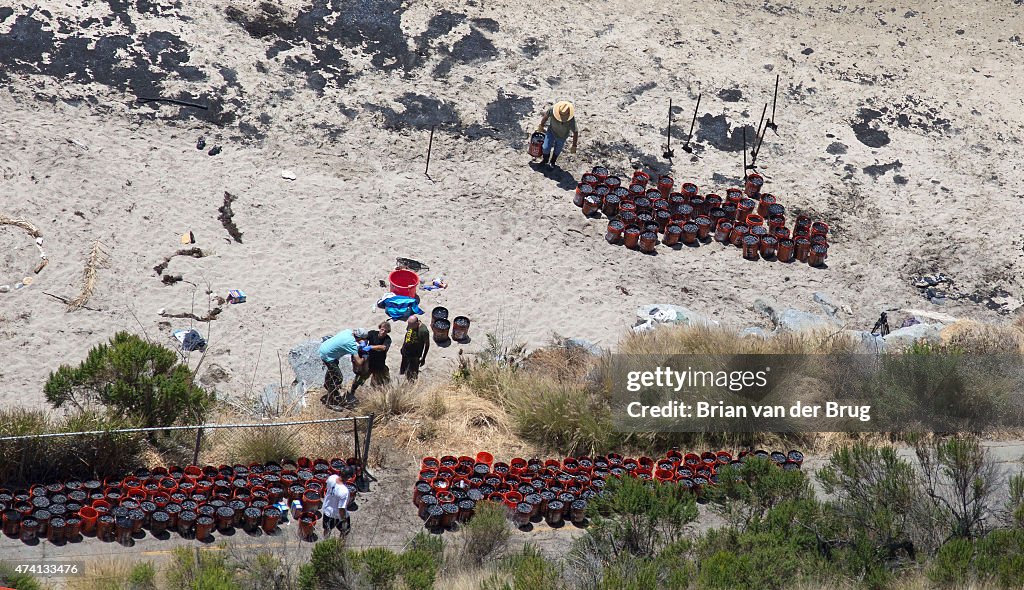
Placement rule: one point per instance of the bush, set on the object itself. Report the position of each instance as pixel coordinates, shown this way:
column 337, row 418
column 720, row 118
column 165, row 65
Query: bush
column 486, row 535
column 959, row 479
column 639, row 518
column 378, row 566
column 999, row 558
column 328, row 567
column 952, row 565
column 133, row 377
column 35, row 460
column 874, row 494
column 419, row 562
column 262, row 444
column 525, row 570
column 1015, row 507
column 12, row 579
column 142, row 577
column 563, row 417
column 261, row 569
column 746, row 493
column 117, row 574
column 205, row 570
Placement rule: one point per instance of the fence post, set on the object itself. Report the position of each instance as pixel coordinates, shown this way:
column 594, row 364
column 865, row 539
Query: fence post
column 366, row 442
column 199, row 441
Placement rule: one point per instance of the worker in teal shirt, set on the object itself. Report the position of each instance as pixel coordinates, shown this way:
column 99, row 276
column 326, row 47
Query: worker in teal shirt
column 344, row 343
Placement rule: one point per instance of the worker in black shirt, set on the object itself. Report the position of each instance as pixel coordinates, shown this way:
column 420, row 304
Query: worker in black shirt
column 414, row 348
column 379, row 342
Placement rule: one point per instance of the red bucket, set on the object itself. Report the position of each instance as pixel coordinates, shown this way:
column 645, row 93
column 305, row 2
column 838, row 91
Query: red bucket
column 404, row 282
column 536, row 145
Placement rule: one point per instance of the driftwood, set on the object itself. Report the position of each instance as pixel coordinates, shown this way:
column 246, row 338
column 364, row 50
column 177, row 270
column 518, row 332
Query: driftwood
column 25, row 225
column 210, row 315
column 67, row 301
column 97, row 258
column 194, row 252
column 183, row 103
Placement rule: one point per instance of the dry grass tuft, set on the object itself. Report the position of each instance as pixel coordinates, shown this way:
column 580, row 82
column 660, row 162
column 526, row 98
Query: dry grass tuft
column 97, row 258
column 715, row 340
column 115, row 574
column 978, row 338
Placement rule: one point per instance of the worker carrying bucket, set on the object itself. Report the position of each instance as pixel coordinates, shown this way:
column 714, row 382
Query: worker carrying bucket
column 562, row 119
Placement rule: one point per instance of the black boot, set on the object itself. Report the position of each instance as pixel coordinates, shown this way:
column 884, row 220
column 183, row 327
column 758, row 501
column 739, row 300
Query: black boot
column 553, row 158
column 544, row 160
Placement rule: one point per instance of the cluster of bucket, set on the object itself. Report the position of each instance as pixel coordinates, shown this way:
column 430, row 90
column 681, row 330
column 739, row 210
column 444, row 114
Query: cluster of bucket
column 440, row 325
column 194, row 501
column 556, row 491
column 642, row 209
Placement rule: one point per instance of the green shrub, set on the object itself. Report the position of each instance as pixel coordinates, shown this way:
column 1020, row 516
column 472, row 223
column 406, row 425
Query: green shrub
column 746, row 492
column 260, row 569
column 1015, row 507
column 873, row 492
column 378, row 566
column 952, row 564
column 959, row 480
column 142, row 577
column 526, row 569
column 485, row 536
column 34, row 460
column 999, row 558
column 419, row 562
column 637, row 518
column 202, row 570
column 133, row 377
column 328, row 567
column 99, row 455
column 12, row 579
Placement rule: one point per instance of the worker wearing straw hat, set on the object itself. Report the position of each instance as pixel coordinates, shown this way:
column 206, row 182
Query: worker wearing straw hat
column 562, row 117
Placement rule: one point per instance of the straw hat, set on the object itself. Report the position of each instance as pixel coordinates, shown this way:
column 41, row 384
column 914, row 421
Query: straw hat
column 563, row 111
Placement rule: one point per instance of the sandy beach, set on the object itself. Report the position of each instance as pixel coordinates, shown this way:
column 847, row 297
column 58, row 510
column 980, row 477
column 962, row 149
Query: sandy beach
column 900, row 128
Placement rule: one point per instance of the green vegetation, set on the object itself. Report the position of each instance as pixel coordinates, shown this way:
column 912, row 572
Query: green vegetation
column 486, row 535
column 132, row 377
column 97, row 455
column 12, row 579
column 259, row 445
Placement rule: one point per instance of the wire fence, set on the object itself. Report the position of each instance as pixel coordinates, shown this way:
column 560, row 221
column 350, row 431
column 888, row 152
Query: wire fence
column 99, row 454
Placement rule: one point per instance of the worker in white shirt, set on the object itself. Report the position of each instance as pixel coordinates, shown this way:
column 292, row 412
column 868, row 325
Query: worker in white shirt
column 335, row 506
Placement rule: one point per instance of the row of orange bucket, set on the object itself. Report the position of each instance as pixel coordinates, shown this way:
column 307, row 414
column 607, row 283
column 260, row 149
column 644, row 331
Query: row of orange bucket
column 646, row 212
column 192, row 500
column 557, row 490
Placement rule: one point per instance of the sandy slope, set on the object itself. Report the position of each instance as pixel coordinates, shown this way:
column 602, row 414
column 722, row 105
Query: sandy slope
column 345, row 101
